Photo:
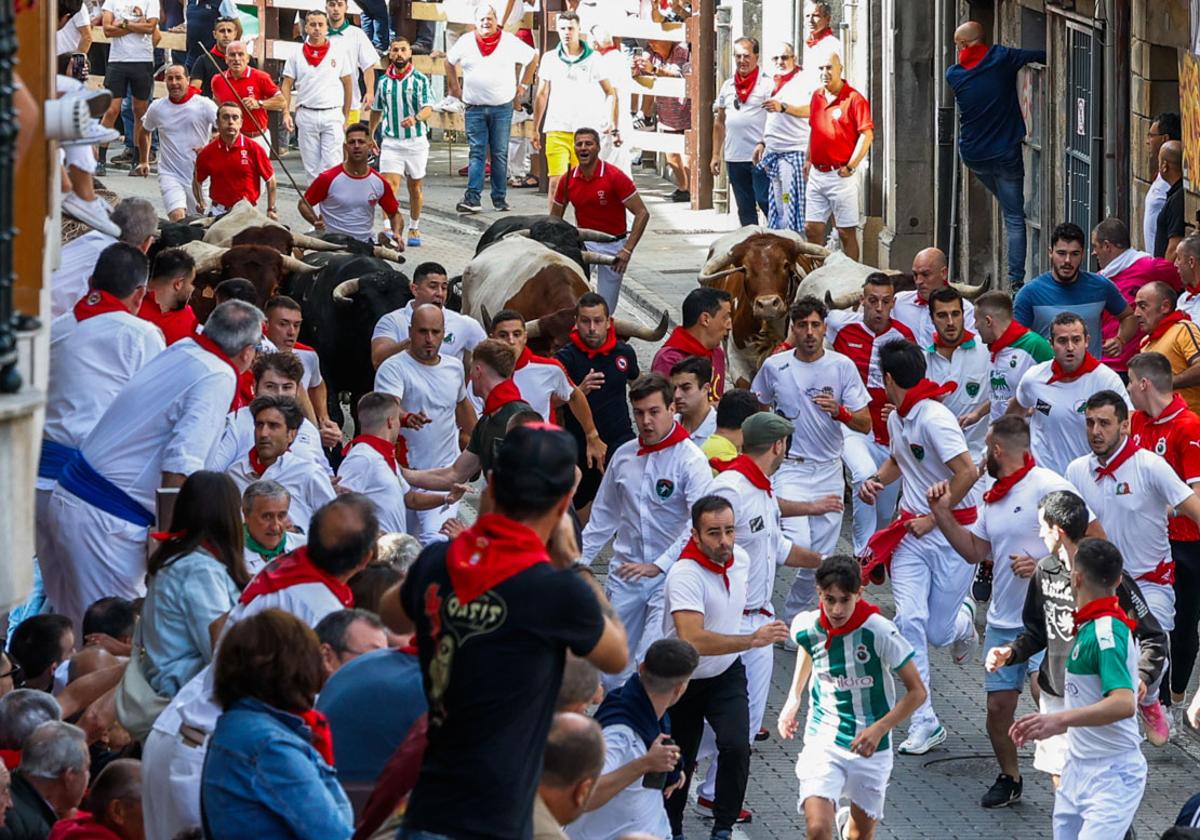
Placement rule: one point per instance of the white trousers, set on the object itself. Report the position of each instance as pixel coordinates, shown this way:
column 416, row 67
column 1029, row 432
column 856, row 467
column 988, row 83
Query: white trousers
column 1098, row 798
column 863, row 456
column 929, row 583
column 1161, row 601
column 805, row 482
column 608, row 282
column 170, row 785
column 89, row 555
column 427, row 524
column 320, row 135
column 639, row 605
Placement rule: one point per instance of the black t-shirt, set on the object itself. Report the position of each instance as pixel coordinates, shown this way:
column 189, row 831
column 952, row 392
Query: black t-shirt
column 492, row 671
column 609, row 402
column 1170, row 220
column 489, row 433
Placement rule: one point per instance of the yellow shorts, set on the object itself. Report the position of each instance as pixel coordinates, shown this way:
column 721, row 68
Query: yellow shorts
column 560, row 152
column 355, row 115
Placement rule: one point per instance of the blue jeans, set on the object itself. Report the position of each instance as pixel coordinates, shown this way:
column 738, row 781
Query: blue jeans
column 749, row 185
column 376, row 23
column 130, row 134
column 488, row 127
column 1004, row 177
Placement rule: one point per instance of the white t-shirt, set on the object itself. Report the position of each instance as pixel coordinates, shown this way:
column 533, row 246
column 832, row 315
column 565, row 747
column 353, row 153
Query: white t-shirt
column 435, row 390
column 238, row 439
column 1156, row 197
column 307, row 483
column 922, row 444
column 1056, row 427
column 76, row 262
column 1132, row 505
column 637, row 808
column 183, row 129
column 576, row 98
column 362, row 55
column 745, row 122
column 789, row 385
column 255, row 562
column 784, row 132
column 132, row 47
column 1189, row 302
column 692, row 588
column 970, row 367
column 319, row 87
column 1011, row 526
column 759, row 528
column 707, row 426
column 538, row 380
column 348, row 201
column 312, row 365
column 66, row 39
column 365, row 471
column 489, row 80
column 916, row 317
column 461, row 335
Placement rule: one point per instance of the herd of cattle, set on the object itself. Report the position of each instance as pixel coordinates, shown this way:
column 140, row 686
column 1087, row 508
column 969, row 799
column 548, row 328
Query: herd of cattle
column 536, row 265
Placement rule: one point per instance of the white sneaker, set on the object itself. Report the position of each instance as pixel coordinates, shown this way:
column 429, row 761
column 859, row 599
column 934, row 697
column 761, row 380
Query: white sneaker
column 922, row 738
column 841, row 823
column 93, row 134
column 93, row 213
column 964, row 649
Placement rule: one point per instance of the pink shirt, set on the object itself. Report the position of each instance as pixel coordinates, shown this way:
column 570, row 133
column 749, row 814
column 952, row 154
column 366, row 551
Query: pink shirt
column 1141, row 271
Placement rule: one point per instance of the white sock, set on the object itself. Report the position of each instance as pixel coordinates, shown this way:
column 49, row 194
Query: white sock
column 414, row 224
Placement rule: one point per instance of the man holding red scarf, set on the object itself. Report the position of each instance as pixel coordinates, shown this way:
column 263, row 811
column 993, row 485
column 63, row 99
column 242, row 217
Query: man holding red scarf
column 1173, row 334
column 956, row 356
column 707, row 316
column 1014, row 348
column 184, row 121
column 738, row 127
column 929, row 580
column 323, row 74
column 495, row 612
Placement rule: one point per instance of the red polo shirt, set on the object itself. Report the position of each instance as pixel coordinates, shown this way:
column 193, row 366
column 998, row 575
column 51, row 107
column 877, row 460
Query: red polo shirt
column 599, row 201
column 836, row 126
column 177, row 324
column 256, row 84
column 237, row 171
column 1172, row 436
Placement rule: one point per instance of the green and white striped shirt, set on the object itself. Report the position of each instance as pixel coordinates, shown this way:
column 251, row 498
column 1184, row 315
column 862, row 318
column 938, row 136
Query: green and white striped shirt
column 851, row 685
column 399, row 99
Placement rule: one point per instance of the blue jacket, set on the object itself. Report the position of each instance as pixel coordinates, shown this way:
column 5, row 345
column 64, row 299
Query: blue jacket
column 262, row 778
column 990, row 122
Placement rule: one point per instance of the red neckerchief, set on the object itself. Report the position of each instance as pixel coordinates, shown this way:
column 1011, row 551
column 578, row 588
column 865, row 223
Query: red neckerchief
column 218, row 52
column 677, row 435
column 1007, row 338
column 1057, row 374
column 1176, row 405
column 683, row 340
column 487, row 43
column 926, row 389
column 96, row 303
column 969, row 57
column 743, row 86
column 383, row 447
column 322, row 735
column 402, row 75
column 293, row 569
column 314, row 55
column 490, row 552
column 966, row 336
column 239, row 392
column 258, row 466
column 1099, row 608
column 175, row 323
column 11, row 758
column 188, row 93
column 528, row 356
column 691, row 551
column 1165, row 324
column 783, row 78
column 606, row 50
column 1127, row 451
column 863, row 610
column 745, row 465
column 1000, row 489
column 500, row 396
column 811, row 40
column 607, row 347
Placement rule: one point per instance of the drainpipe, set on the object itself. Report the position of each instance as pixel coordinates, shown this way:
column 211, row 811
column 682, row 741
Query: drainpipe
column 1105, row 16
column 947, row 160
column 724, row 61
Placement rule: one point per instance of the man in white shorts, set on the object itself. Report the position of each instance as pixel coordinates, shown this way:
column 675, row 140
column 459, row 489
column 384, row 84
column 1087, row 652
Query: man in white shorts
column 185, row 122
column 403, row 103
column 323, row 75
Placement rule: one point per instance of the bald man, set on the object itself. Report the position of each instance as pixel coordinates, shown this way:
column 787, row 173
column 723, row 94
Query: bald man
column 991, row 128
column 1169, row 229
column 930, row 273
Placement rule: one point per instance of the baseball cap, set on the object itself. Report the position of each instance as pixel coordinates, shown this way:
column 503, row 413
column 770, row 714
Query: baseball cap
column 535, row 461
column 764, row 428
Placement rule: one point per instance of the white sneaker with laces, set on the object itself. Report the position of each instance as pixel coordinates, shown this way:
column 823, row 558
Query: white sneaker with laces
column 841, row 823
column 964, row 649
column 922, row 738
column 93, row 213
column 93, row 134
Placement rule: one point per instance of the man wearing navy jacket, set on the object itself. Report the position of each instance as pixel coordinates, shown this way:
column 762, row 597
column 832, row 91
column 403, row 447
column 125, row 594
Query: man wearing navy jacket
column 991, row 128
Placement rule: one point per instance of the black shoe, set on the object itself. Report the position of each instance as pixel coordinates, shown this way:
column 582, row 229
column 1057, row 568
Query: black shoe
column 100, row 170
column 981, row 588
column 762, row 734
column 680, row 196
column 420, row 49
column 468, row 206
column 501, row 206
column 125, row 157
column 1004, row 791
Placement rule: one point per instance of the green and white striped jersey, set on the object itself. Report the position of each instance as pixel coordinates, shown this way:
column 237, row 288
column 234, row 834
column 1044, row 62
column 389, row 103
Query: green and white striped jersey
column 1103, row 659
column 399, row 99
column 851, row 685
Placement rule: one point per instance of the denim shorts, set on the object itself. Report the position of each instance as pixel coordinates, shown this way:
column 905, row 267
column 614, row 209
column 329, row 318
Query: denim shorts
column 1010, row 677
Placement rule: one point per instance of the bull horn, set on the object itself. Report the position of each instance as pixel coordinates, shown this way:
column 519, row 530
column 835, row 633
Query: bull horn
column 533, row 329
column 968, row 291
column 629, row 329
column 312, row 243
column 486, row 317
column 715, row 264
column 595, row 258
column 390, row 254
column 704, row 279
column 299, row 266
column 812, row 249
column 842, row 301
column 515, row 233
column 345, row 290
column 589, row 235
column 210, row 262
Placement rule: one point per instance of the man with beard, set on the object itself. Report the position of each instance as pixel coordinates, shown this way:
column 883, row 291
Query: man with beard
column 603, row 365
column 184, row 122
column 166, row 302
column 930, row 272
column 349, row 192
column 403, row 104
column 254, row 90
column 429, row 285
column 956, row 356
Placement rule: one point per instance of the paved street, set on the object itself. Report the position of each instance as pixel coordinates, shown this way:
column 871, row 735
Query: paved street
column 935, row 795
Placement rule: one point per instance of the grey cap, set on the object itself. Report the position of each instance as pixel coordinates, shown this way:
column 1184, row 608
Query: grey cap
column 764, row 428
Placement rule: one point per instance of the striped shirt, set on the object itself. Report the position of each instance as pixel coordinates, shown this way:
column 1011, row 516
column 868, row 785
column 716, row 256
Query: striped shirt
column 851, row 685
column 399, row 99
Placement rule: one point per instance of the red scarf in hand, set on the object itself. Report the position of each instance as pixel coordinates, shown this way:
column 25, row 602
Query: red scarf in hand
column 969, row 57
column 322, row 735
column 1165, row 324
column 877, row 558
column 500, row 396
column 1109, row 470
column 926, row 389
column 862, row 611
column 394, row 453
column 692, row 551
column 606, row 50
column 487, row 43
column 239, row 394
column 743, row 86
column 400, row 75
column 745, row 465
column 677, row 435
column 683, row 340
column 291, row 570
column 96, row 303
column 490, row 552
column 1007, row 338
column 188, row 93
column 1101, row 607
column 314, row 55
column 1057, row 374
column 1000, row 489
column 607, row 347
column 783, row 78
column 966, row 336
column 811, row 40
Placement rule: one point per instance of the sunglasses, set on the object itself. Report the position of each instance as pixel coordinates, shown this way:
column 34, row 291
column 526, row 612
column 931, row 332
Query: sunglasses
column 18, row 676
